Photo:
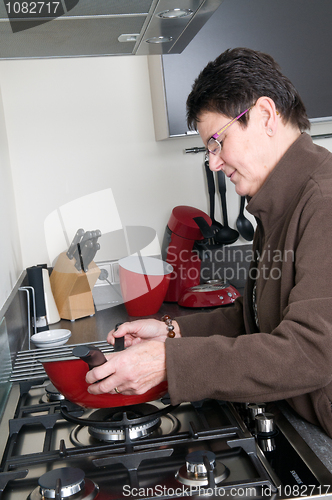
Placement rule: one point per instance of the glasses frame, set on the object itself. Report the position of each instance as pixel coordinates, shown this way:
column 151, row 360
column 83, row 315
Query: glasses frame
column 222, row 130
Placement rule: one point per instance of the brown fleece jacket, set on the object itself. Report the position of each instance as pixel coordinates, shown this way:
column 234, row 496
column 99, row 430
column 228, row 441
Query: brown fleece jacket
column 223, row 354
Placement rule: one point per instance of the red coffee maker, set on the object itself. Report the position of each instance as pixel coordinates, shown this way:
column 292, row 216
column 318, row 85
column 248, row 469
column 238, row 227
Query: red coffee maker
column 186, row 226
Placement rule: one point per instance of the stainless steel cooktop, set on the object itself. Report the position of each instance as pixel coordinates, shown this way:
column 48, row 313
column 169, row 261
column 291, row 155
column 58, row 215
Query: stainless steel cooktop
column 54, row 449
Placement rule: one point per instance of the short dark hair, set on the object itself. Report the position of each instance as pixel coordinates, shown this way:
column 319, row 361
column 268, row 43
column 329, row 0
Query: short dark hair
column 235, row 80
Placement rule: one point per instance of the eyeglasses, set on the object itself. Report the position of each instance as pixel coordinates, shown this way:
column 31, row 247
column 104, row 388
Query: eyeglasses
column 214, row 146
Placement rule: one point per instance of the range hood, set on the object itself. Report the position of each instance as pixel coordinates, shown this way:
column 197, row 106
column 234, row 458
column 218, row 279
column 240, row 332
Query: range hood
column 75, row 28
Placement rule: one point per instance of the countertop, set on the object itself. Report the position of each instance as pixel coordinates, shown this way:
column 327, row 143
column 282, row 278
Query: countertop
column 96, row 328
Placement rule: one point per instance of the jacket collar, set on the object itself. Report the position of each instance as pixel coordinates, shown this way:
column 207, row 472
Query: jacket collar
column 285, row 182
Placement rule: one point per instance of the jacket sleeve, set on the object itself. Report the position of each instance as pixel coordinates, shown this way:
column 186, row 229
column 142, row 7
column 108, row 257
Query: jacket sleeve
column 294, row 358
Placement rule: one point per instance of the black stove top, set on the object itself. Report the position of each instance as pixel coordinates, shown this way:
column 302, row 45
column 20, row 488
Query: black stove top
column 209, row 448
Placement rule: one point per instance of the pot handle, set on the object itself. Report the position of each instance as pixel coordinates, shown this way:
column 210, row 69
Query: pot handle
column 91, row 355
column 119, row 341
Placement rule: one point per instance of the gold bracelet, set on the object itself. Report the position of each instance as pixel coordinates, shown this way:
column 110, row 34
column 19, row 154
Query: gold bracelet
column 170, row 328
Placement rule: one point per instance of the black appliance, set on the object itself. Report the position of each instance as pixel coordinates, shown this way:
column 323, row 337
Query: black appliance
column 201, row 449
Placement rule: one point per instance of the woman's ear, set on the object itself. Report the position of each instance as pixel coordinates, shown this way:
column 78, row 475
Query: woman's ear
column 268, row 114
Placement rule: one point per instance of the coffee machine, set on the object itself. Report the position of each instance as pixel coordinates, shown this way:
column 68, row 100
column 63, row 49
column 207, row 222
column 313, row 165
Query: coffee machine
column 186, row 239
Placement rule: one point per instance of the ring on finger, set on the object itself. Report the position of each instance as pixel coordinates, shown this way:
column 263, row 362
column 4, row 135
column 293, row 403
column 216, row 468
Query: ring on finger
column 117, row 390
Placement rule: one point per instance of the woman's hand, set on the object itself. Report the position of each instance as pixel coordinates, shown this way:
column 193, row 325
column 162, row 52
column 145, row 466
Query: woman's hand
column 135, row 332
column 132, row 371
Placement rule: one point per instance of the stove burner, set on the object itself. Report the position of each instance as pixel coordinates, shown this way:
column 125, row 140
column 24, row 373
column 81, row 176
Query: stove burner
column 52, row 394
column 118, row 434
column 64, row 483
column 195, row 472
column 135, row 422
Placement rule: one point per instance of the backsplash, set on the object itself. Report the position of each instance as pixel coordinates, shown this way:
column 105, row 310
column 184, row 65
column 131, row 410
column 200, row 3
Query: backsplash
column 227, row 263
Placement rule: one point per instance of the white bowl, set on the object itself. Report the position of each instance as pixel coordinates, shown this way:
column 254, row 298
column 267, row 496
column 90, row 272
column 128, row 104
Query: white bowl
column 51, row 338
column 51, row 345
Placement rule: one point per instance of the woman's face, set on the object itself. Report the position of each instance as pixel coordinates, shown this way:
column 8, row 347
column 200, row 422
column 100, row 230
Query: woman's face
column 245, row 157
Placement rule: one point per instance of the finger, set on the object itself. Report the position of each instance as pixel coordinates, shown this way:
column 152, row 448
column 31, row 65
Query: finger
column 133, row 341
column 106, row 385
column 100, row 372
column 121, row 390
column 122, row 329
column 115, row 333
column 99, row 388
column 111, row 385
column 128, row 330
column 128, row 340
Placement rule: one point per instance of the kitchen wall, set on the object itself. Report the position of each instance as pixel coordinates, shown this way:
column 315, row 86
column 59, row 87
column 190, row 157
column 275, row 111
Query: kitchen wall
column 75, row 127
column 10, row 253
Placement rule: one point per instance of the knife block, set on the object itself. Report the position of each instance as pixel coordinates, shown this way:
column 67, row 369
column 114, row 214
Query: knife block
column 72, row 289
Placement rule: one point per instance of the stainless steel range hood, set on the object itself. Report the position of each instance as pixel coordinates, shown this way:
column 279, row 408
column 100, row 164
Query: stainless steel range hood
column 74, row 28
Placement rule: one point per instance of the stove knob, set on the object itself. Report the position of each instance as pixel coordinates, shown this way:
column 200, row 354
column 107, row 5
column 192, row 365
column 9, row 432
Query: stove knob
column 242, row 407
column 52, row 394
column 195, row 462
column 255, row 409
column 265, row 424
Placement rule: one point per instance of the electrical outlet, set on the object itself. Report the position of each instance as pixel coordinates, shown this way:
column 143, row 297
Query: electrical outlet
column 106, row 273
column 106, row 292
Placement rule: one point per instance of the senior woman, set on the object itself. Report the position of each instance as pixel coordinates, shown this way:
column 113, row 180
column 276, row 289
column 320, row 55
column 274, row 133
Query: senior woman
column 275, row 342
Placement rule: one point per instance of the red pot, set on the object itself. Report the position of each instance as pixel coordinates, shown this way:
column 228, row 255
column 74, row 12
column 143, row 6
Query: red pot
column 68, row 376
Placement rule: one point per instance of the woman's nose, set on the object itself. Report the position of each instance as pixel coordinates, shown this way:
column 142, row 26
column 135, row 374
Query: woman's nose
column 215, row 162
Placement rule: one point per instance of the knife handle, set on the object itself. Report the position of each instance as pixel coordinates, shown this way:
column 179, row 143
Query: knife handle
column 95, row 235
column 86, row 236
column 73, row 245
column 85, row 254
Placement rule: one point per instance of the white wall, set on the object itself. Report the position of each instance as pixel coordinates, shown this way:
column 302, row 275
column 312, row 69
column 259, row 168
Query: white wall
column 10, row 251
column 76, row 126
column 325, row 143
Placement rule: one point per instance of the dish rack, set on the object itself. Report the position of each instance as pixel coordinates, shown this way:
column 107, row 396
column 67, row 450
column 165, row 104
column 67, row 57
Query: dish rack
column 28, row 367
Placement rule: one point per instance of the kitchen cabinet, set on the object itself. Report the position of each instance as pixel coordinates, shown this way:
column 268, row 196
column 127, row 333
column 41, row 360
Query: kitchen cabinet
column 297, row 34
column 99, row 27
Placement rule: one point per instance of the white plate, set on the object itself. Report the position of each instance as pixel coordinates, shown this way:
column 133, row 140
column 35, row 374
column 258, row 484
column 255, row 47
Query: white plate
column 51, row 338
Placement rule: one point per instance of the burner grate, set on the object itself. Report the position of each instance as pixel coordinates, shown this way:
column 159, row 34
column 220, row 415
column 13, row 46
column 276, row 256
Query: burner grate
column 154, row 458
column 28, row 367
column 54, row 412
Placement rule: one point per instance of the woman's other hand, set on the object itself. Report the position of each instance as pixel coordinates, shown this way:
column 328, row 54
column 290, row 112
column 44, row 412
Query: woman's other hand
column 135, row 332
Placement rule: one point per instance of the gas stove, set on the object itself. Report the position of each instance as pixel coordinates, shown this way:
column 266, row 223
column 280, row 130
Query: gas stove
column 57, row 450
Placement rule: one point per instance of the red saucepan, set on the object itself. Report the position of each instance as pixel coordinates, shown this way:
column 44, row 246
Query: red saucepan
column 67, row 374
